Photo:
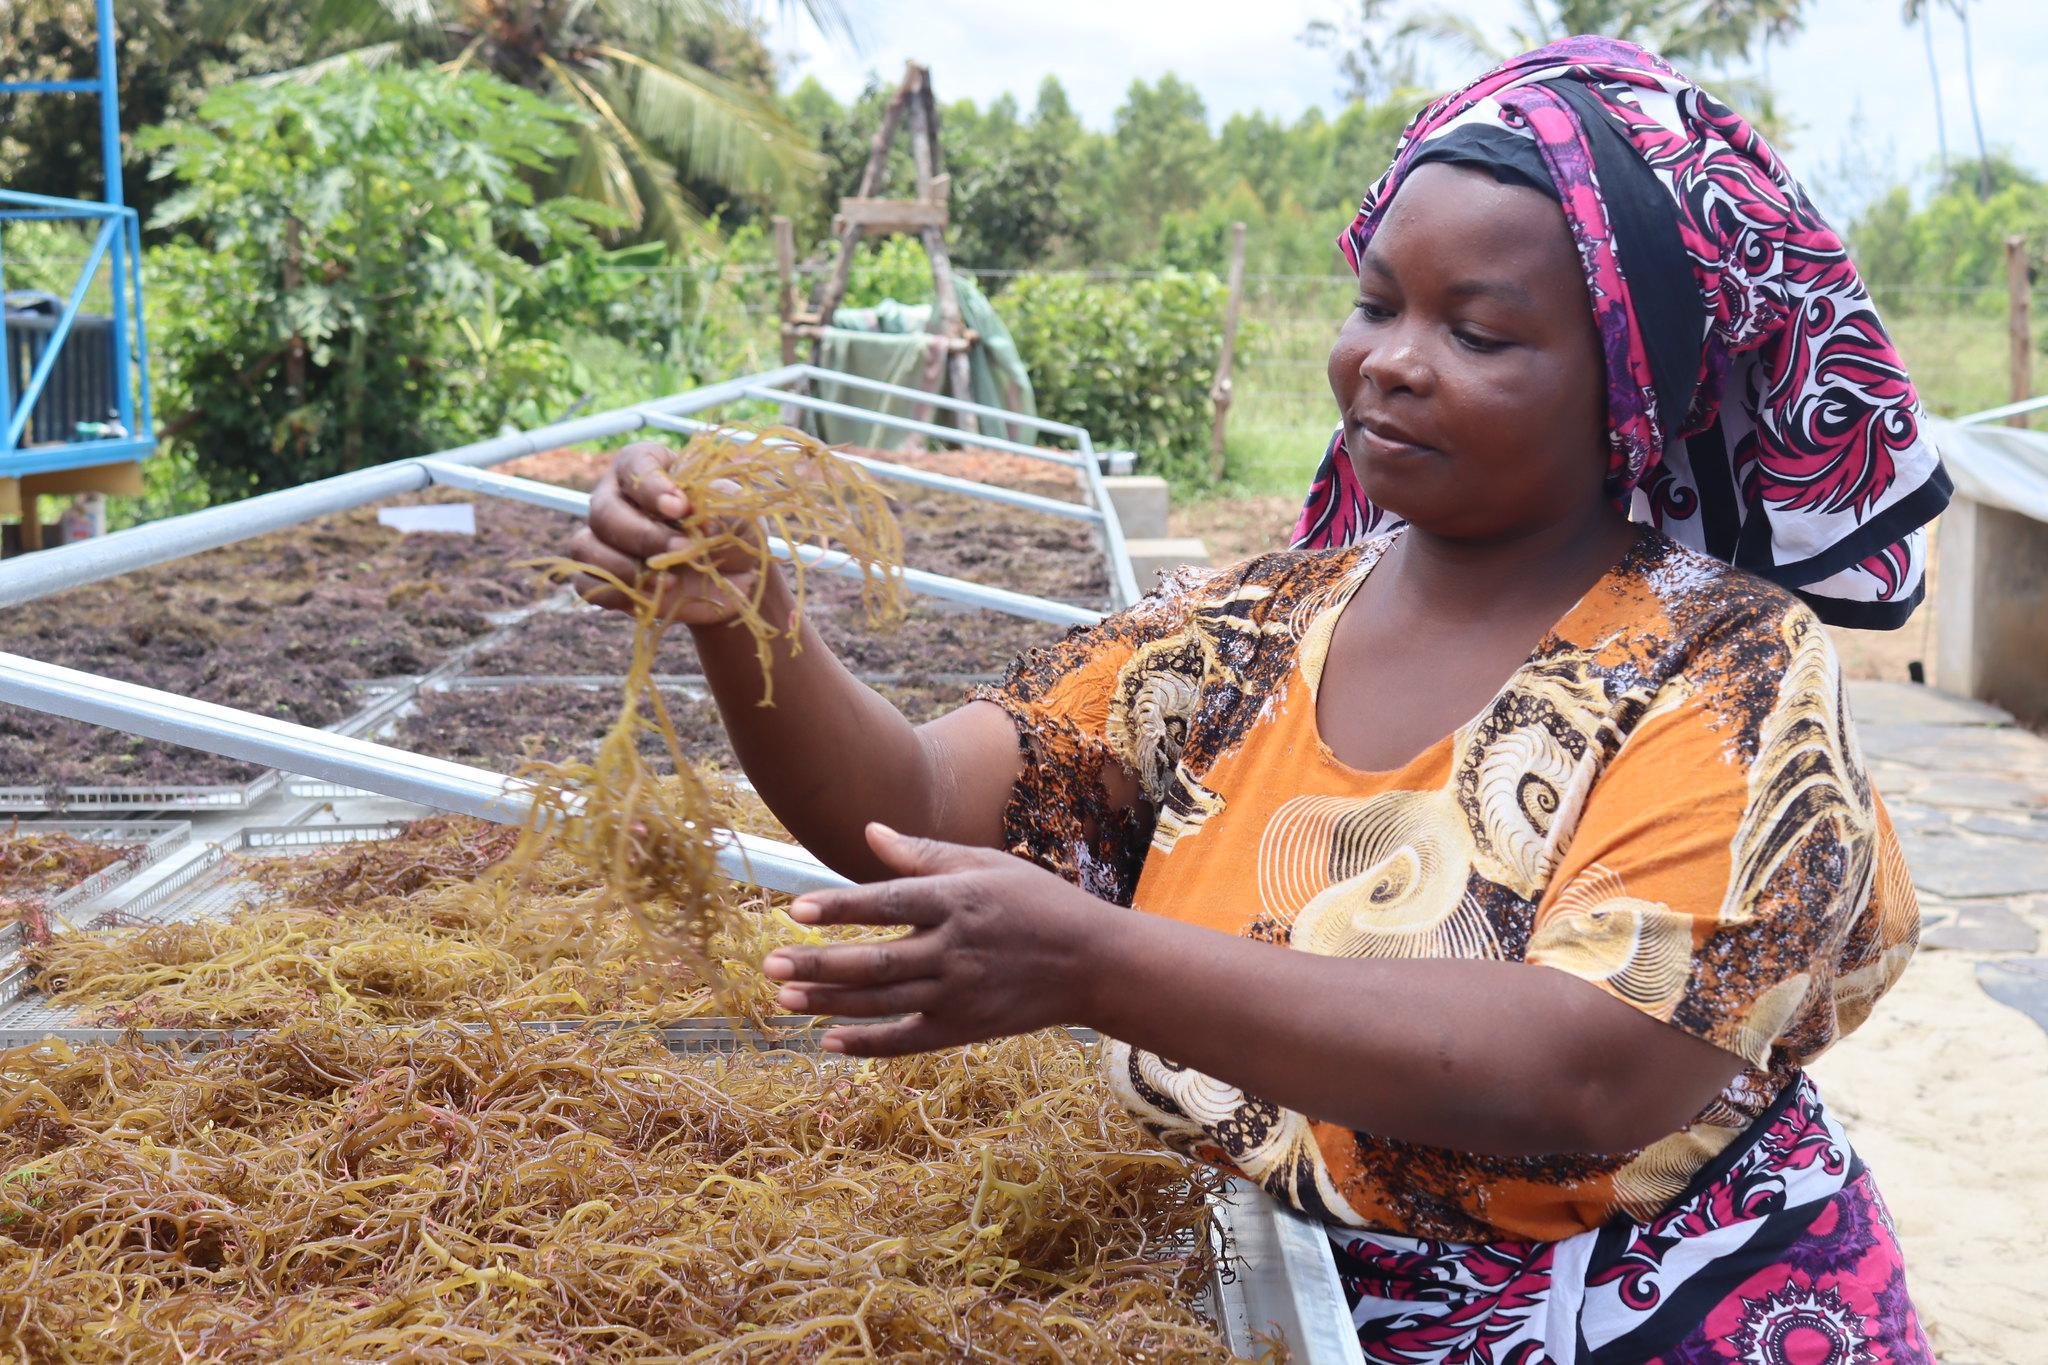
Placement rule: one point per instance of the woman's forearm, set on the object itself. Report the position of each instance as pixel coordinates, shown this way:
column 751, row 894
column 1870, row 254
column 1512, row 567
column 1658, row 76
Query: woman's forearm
column 1495, row 1057
column 830, row 754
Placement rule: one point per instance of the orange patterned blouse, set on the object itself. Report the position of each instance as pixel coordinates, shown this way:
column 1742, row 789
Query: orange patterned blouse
column 1666, row 800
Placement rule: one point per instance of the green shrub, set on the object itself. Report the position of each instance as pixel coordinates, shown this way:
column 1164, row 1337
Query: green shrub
column 1131, row 360
column 385, row 221
column 892, row 268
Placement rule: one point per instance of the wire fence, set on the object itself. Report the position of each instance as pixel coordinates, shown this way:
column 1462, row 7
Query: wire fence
column 1954, row 340
column 718, row 315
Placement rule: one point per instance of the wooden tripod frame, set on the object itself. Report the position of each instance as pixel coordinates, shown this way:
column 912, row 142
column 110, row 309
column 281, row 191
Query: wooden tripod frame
column 865, row 215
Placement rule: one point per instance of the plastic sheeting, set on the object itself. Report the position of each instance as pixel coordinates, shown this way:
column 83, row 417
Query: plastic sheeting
column 893, row 342
column 1998, row 466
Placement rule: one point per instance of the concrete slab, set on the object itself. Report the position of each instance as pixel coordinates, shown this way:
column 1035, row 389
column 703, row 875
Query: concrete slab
column 2017, row 825
column 1979, row 926
column 1958, row 869
column 1150, row 558
column 2021, row 983
column 1967, row 792
column 1141, row 503
column 1896, row 703
column 1910, row 816
column 1950, row 748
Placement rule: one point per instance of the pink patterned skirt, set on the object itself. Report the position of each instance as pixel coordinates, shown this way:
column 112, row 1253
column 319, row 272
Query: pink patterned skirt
column 1780, row 1253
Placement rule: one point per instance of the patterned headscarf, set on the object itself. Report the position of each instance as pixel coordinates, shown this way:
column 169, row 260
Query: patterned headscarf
column 1756, row 409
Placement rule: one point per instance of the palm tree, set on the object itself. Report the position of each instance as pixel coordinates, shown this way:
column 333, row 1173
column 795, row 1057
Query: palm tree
column 649, row 112
column 1962, row 10
column 1679, row 29
column 1726, row 29
column 1922, row 13
column 1535, row 25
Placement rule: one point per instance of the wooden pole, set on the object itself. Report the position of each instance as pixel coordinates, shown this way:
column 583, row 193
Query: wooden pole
column 2019, row 328
column 785, row 300
column 832, row 288
column 1219, row 392
column 785, row 269
column 924, row 150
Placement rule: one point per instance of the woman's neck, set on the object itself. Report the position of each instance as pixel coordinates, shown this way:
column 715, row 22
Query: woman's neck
column 1475, row 580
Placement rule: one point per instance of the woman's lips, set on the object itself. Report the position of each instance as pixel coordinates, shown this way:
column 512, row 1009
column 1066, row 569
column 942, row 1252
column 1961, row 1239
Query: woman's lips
column 1388, row 443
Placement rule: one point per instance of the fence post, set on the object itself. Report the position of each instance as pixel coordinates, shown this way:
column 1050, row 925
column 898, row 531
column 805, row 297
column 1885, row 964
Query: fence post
column 1219, row 392
column 785, row 267
column 2019, row 329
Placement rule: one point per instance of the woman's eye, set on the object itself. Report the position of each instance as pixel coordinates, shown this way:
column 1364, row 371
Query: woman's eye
column 1472, row 341
column 1370, row 310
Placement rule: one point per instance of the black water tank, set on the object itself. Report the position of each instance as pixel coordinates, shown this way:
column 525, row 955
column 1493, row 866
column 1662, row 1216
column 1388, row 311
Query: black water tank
column 82, row 386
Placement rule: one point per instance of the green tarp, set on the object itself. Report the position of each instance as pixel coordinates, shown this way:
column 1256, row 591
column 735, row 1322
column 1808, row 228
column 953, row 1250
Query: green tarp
column 892, row 342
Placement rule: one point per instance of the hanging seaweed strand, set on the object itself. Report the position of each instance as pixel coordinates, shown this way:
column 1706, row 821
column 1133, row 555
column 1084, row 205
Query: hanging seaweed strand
column 651, row 838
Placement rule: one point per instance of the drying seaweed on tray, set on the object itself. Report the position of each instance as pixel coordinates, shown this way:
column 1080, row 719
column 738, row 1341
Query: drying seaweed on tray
column 931, row 638
column 942, row 533
column 36, row 867
column 50, row 862
column 333, row 1193
column 1007, row 547
column 502, row 727
column 279, row 625
column 416, row 928
column 650, row 841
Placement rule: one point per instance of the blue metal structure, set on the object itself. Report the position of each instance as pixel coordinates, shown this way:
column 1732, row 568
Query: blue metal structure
column 118, row 244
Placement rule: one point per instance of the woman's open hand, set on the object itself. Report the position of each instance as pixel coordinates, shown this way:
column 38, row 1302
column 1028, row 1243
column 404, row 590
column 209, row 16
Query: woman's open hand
column 997, row 946
column 635, row 515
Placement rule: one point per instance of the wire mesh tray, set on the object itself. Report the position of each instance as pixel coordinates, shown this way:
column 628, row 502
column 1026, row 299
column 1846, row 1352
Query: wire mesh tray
column 152, row 839
column 1278, row 1280
column 223, row 796
column 387, row 697
column 203, row 888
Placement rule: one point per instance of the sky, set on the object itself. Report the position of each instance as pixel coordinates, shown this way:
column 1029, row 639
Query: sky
column 1855, row 83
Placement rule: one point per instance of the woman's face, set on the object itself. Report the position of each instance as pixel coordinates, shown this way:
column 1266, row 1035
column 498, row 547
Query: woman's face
column 1470, row 373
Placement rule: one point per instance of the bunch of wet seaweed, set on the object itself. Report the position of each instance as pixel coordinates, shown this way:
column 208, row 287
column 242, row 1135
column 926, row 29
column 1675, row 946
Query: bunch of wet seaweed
column 36, row 866
column 653, row 843
column 444, row 1195
column 42, row 863
column 419, row 927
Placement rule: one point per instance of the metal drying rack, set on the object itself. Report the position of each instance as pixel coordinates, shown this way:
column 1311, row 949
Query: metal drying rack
column 1283, row 1283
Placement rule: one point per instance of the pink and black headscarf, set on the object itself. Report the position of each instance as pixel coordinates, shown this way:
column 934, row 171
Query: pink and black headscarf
column 1756, row 409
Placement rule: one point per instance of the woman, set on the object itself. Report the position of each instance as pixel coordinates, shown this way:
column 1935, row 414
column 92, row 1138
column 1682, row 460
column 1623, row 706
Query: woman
column 1482, row 886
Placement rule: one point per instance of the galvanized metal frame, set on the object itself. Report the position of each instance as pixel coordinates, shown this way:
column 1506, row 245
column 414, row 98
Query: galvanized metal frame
column 353, row 763
column 344, row 759
column 29, row 577
column 140, row 547
column 152, row 840
column 983, row 595
column 119, row 242
column 2003, row 411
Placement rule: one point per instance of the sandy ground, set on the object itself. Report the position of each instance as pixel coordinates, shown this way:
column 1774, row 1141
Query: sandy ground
column 1944, row 1091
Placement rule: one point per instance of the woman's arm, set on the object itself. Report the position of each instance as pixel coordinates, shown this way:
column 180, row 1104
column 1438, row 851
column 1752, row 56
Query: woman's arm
column 1494, row 1057
column 830, row 755
column 1502, row 1058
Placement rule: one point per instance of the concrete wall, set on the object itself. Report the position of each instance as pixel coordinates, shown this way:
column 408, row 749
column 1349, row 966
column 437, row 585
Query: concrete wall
column 1992, row 597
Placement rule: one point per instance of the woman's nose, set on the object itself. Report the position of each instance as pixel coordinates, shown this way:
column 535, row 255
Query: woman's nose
column 1394, row 361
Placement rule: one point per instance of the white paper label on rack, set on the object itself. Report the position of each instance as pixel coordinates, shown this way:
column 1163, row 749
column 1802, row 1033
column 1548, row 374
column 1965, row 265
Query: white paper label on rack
column 447, row 518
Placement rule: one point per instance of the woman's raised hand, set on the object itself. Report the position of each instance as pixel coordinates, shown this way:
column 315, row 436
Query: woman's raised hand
column 635, row 516
column 996, row 946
